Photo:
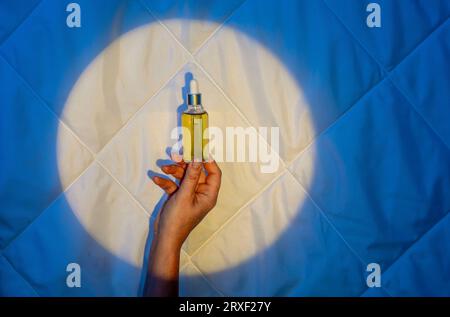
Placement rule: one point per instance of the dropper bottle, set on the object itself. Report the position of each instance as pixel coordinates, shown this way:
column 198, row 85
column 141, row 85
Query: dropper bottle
column 194, row 122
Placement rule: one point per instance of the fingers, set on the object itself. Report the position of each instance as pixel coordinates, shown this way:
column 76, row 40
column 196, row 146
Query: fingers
column 191, row 178
column 166, row 184
column 175, row 170
column 214, row 177
column 178, row 159
column 178, row 171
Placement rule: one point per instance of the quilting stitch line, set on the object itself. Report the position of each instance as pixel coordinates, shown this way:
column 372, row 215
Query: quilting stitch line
column 245, row 119
column 218, row 28
column 21, row 275
column 46, row 106
column 433, row 226
column 415, row 49
column 8, row 36
column 388, row 73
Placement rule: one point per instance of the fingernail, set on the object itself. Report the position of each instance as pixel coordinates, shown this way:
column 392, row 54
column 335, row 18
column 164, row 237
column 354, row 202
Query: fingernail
column 177, row 158
column 155, row 179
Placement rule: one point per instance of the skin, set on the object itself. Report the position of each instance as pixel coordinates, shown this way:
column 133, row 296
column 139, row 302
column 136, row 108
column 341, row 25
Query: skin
column 186, row 206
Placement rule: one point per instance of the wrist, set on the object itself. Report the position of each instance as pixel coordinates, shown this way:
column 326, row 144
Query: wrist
column 165, row 241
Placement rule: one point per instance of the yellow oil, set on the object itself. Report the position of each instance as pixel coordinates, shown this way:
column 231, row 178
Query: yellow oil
column 194, row 138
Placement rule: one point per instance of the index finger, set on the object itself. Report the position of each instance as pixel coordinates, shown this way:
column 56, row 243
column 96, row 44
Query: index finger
column 178, row 159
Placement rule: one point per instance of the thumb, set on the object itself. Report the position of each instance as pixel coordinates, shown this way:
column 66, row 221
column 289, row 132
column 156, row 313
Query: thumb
column 190, row 180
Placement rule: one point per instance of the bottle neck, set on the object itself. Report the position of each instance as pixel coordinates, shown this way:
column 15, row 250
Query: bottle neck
column 195, row 109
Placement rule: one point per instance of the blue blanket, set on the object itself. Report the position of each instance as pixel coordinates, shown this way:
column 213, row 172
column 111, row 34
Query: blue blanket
column 364, row 118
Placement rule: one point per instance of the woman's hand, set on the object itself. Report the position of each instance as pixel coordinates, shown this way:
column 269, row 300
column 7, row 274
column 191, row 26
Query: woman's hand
column 187, row 205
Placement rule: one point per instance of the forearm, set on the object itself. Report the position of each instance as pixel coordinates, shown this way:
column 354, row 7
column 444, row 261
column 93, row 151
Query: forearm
column 187, row 205
column 163, row 267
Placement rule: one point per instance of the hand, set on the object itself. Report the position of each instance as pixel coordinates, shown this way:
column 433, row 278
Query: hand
column 189, row 203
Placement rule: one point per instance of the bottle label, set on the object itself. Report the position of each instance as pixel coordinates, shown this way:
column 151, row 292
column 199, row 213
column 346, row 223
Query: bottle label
column 198, row 140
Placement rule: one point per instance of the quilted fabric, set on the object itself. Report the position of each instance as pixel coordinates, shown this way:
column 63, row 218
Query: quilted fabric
column 364, row 175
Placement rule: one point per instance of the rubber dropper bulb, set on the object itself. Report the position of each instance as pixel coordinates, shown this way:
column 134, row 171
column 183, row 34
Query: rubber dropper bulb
column 193, row 87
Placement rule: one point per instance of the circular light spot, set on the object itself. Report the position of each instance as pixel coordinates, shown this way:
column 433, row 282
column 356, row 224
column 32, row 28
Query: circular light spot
column 121, row 80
